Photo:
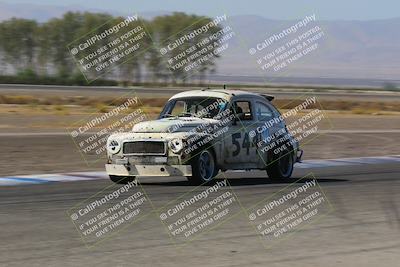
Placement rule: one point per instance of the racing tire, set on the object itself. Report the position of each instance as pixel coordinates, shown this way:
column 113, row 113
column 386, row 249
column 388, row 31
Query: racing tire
column 122, row 179
column 204, row 168
column 281, row 167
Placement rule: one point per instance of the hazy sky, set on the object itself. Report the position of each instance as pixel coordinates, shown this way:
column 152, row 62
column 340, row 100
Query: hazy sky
column 276, row 9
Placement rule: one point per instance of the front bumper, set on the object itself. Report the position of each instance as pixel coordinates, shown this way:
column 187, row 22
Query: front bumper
column 148, row 170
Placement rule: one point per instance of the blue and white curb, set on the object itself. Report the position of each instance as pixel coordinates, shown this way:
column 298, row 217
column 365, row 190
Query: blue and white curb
column 324, row 163
column 47, row 178
column 84, row 176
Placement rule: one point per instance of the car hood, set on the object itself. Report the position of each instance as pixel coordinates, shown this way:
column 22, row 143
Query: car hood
column 171, row 125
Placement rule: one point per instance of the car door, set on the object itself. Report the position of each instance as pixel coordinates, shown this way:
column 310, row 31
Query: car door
column 238, row 145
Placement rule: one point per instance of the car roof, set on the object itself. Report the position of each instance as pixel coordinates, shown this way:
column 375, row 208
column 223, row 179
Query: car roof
column 220, row 93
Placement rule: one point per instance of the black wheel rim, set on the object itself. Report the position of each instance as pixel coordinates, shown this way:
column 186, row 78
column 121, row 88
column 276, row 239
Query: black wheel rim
column 206, row 165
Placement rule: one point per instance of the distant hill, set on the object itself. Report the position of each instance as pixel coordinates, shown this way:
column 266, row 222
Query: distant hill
column 349, row 49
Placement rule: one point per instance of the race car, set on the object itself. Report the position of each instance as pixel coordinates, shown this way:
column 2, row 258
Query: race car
column 202, row 132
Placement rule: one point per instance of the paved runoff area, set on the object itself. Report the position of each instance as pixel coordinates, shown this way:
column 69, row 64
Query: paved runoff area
column 349, row 216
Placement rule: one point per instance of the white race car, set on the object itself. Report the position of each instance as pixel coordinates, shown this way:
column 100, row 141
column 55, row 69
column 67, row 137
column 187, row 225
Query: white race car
column 202, row 132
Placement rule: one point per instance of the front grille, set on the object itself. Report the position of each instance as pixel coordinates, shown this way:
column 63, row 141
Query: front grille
column 144, row 147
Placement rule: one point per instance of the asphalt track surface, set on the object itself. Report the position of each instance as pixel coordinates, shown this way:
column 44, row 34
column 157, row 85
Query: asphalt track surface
column 165, row 92
column 362, row 229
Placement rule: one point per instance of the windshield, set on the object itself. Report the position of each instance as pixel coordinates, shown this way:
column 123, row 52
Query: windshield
column 201, row 107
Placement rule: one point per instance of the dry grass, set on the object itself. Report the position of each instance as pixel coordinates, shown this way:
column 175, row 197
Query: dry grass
column 102, row 108
column 154, row 105
column 74, row 100
column 18, row 99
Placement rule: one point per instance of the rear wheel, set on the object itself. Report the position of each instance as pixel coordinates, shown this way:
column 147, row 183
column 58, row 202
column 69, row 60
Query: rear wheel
column 122, row 179
column 282, row 166
column 204, row 168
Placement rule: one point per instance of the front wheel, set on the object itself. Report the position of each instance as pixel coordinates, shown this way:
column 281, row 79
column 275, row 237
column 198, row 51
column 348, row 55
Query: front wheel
column 282, row 166
column 122, row 179
column 204, row 168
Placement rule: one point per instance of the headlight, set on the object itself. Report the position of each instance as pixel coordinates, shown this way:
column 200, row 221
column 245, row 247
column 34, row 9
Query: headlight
column 176, row 145
column 113, row 146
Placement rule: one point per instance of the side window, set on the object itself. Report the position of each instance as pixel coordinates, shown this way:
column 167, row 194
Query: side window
column 264, row 112
column 243, row 110
column 275, row 110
